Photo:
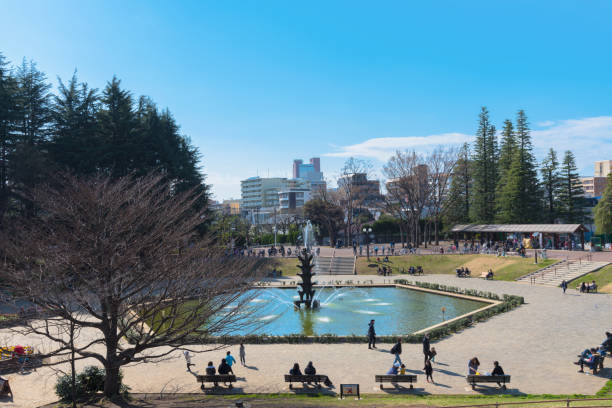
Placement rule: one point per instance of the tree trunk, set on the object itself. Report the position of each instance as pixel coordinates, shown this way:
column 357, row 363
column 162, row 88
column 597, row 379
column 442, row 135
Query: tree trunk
column 111, row 384
column 436, row 230
column 72, row 368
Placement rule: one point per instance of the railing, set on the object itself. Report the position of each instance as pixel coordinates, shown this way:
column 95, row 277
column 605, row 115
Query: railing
column 557, row 267
column 566, row 402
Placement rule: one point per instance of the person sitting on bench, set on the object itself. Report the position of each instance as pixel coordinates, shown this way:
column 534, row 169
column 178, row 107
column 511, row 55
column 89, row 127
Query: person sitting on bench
column 210, row 370
column 224, row 368
column 295, row 370
column 588, row 357
column 394, row 369
column 592, row 287
column 310, row 369
column 473, row 365
column 490, row 274
column 498, row 370
column 583, row 288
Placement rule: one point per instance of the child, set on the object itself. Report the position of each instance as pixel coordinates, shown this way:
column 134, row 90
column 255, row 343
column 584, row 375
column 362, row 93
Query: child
column 403, row 370
column 428, row 370
column 432, row 354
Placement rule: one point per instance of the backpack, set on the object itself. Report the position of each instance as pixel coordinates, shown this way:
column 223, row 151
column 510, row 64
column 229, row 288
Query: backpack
column 393, row 349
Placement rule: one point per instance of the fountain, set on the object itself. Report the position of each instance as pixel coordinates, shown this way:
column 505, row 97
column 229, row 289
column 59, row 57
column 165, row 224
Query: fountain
column 307, row 292
column 308, row 235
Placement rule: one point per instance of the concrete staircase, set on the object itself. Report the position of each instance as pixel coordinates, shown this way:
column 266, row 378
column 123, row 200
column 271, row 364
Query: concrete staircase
column 333, row 265
column 554, row 274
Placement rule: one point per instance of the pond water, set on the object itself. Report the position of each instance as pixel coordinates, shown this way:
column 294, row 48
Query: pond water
column 348, row 310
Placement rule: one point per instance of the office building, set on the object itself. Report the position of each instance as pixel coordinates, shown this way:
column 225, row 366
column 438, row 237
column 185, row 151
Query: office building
column 603, row 168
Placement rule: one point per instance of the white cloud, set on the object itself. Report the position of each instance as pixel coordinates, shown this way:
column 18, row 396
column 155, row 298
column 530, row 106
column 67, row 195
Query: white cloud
column 381, row 148
column 590, row 139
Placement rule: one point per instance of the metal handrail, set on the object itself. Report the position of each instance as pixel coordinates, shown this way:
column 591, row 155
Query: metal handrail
column 567, row 401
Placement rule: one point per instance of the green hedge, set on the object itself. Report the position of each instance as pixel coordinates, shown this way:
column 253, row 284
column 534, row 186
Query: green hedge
column 508, row 302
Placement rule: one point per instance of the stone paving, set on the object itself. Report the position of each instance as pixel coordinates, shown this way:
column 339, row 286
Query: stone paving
column 535, row 344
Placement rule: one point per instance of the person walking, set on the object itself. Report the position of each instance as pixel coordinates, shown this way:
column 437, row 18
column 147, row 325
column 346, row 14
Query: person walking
column 397, row 350
column 188, row 360
column 564, row 286
column 230, row 360
column 426, row 348
column 242, row 355
column 371, row 335
column 428, row 370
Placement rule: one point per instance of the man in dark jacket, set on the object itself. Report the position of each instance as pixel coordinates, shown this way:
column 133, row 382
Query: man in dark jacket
column 397, row 350
column 426, row 346
column 371, row 335
column 498, row 370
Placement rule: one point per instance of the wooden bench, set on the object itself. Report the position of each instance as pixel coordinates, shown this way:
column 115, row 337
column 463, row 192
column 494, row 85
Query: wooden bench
column 317, row 379
column 392, row 378
column 230, row 378
column 474, row 379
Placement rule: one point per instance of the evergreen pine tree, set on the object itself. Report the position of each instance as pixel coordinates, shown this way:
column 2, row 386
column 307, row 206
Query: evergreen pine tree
column 506, row 152
column 519, row 201
column 572, row 203
column 485, row 173
column 603, row 210
column 8, row 116
column 457, row 210
column 550, row 186
column 73, row 142
column 117, row 130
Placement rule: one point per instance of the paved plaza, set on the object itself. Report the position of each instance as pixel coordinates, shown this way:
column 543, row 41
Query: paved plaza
column 536, row 344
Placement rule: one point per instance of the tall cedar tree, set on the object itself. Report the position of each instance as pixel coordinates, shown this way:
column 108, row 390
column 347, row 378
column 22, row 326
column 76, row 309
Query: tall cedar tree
column 73, row 144
column 603, row 210
column 550, row 186
column 572, row 204
column 506, row 153
column 30, row 131
column 519, row 201
column 484, row 170
column 457, row 210
column 8, row 117
column 83, row 132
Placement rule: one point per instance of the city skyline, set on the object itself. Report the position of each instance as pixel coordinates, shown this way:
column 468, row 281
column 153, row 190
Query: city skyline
column 258, row 86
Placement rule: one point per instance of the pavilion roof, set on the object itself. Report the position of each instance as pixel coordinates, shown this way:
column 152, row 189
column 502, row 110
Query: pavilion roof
column 550, row 228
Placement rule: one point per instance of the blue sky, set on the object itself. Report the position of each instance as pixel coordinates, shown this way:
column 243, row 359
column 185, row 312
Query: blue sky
column 256, row 84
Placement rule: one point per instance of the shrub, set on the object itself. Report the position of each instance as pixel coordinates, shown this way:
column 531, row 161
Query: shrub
column 88, row 383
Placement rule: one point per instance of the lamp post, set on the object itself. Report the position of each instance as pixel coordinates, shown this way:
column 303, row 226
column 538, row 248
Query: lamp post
column 367, row 231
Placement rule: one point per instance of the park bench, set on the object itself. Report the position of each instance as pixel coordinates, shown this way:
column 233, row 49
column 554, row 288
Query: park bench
column 317, row 379
column 217, row 378
column 393, row 378
column 475, row 379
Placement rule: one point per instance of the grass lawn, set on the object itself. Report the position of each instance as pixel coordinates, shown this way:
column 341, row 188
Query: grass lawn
column 432, row 264
column 508, row 268
column 602, row 277
column 402, row 399
column 289, row 266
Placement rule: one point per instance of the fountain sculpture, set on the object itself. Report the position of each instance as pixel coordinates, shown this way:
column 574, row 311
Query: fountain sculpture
column 307, row 293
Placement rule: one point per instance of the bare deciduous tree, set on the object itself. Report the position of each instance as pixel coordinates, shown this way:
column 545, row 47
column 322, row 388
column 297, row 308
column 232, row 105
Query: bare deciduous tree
column 121, row 259
column 441, row 163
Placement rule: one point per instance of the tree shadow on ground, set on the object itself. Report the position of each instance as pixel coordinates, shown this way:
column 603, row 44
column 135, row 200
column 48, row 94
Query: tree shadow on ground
column 448, row 372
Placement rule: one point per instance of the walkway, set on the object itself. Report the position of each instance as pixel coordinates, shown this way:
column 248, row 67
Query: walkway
column 535, row 343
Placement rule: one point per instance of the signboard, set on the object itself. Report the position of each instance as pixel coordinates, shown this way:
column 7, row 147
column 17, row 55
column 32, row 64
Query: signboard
column 347, row 390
